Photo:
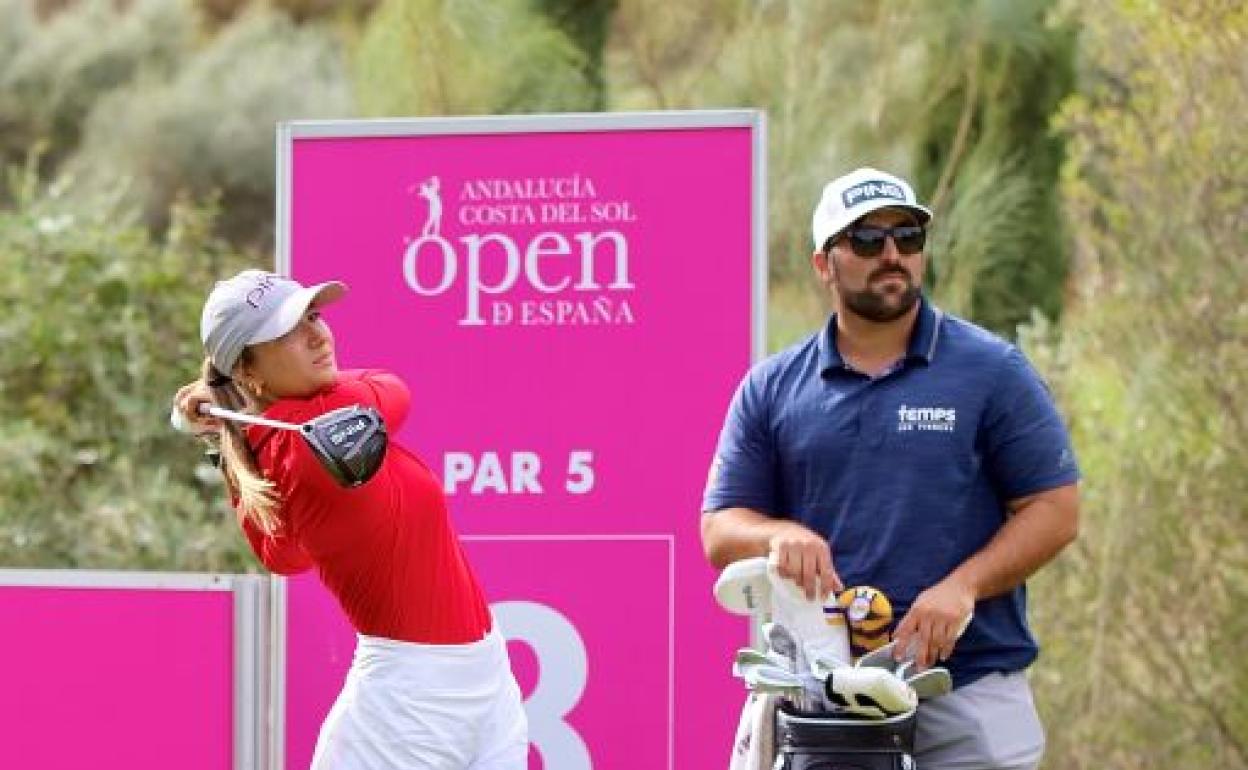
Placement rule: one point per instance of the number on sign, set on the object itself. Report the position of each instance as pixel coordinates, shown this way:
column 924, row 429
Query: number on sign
column 563, row 668
column 580, row 472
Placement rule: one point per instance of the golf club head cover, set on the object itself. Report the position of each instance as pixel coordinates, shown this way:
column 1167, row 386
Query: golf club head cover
column 869, row 614
column 869, row 692
column 743, row 588
column 819, row 629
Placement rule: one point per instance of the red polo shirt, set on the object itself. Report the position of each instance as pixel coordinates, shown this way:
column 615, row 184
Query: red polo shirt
column 385, row 549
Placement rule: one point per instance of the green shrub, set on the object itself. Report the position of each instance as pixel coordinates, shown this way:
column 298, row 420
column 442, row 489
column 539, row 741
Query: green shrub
column 1144, row 620
column 53, row 73
column 210, row 127
column 468, row 57
column 99, row 328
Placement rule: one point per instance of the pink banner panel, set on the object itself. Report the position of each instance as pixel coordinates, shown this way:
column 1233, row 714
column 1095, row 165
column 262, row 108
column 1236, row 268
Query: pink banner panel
column 117, row 678
column 571, row 310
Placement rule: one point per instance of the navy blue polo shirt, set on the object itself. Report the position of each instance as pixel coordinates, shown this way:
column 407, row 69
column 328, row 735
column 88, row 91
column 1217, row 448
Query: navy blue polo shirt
column 908, row 473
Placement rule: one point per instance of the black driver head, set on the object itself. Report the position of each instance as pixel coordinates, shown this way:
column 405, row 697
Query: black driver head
column 350, row 442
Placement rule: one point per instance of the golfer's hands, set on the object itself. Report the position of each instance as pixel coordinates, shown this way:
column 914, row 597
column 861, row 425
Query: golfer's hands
column 804, row 557
column 931, row 628
column 186, row 403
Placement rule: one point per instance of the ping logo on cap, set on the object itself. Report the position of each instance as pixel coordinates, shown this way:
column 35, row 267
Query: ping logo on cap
column 265, row 282
column 865, row 191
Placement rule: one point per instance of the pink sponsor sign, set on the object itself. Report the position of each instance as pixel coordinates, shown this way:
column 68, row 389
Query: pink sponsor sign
column 571, row 300
column 131, row 677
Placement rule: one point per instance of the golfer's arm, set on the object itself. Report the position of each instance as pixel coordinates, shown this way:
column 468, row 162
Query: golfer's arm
column 279, row 555
column 1039, row 527
column 379, row 389
column 732, row 534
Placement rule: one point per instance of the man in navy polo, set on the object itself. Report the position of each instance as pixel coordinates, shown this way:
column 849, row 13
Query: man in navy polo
column 906, row 449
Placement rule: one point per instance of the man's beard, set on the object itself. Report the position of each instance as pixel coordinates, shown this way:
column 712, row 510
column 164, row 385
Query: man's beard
column 879, row 306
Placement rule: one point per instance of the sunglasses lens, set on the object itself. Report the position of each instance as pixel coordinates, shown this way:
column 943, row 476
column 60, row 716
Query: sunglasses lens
column 909, row 239
column 867, row 241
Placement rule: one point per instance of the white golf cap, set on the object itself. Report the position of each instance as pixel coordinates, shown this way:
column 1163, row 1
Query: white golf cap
column 848, row 198
column 255, row 306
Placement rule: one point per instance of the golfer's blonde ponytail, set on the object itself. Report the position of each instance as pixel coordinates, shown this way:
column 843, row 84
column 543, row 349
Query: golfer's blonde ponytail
column 258, row 497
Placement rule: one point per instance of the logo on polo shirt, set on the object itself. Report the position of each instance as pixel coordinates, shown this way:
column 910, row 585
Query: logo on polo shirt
column 866, row 191
column 930, row 418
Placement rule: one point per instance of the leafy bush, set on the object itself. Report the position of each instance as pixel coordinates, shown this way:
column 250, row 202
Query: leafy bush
column 52, row 74
column 989, row 156
column 834, row 102
column 468, row 57
column 210, row 126
column 100, row 326
column 1144, row 621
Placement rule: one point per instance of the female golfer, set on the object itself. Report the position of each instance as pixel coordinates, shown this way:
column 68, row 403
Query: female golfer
column 430, row 685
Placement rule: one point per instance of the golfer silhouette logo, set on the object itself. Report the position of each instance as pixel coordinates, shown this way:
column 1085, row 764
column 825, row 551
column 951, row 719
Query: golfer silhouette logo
column 433, row 221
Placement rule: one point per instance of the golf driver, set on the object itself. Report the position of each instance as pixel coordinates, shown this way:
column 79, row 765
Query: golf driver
column 350, row 442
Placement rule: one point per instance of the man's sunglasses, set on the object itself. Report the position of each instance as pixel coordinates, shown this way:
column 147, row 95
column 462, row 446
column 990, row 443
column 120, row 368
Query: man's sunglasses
column 868, row 241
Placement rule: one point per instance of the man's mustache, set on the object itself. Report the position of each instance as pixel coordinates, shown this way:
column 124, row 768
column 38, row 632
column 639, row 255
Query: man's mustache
column 901, row 271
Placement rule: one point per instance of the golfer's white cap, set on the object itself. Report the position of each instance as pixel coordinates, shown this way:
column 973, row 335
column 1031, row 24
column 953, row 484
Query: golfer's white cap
column 255, row 306
column 848, row 198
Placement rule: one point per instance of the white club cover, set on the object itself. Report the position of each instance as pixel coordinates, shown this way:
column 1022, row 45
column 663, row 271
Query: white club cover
column 743, row 587
column 870, row 692
column 821, row 635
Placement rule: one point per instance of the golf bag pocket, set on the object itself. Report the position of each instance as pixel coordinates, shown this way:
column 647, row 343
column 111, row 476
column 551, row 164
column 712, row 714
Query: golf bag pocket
column 822, row 741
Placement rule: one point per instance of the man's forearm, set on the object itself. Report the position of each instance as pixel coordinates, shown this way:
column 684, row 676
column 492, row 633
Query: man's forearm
column 733, row 534
column 798, row 553
column 1040, row 527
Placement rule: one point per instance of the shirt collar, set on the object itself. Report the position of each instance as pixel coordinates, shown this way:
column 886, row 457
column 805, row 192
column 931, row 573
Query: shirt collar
column 923, row 338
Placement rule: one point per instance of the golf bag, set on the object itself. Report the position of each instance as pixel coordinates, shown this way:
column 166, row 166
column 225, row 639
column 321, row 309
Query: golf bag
column 819, row 741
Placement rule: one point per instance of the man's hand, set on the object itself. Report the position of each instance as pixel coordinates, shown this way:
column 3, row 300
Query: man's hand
column 804, row 557
column 932, row 626
column 186, row 403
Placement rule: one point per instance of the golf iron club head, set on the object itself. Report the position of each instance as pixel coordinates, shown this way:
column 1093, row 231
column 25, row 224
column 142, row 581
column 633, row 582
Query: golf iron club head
column 768, row 678
column 780, row 640
column 930, row 683
column 884, row 658
column 349, row 442
column 881, row 657
column 747, row 656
